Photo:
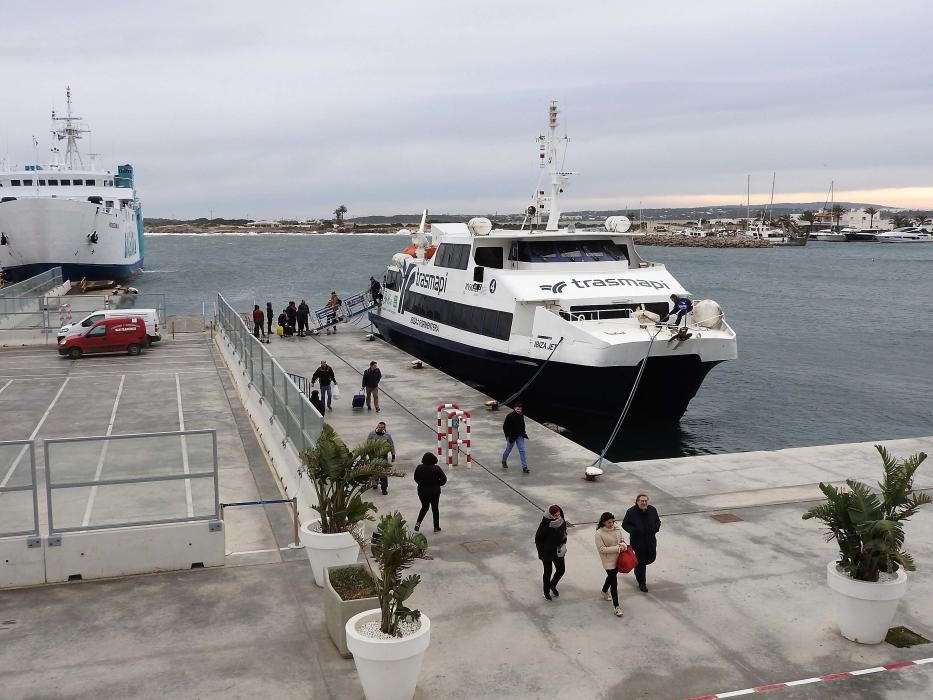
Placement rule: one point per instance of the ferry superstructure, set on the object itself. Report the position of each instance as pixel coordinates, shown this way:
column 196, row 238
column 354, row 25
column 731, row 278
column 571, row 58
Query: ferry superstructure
column 566, row 316
column 88, row 221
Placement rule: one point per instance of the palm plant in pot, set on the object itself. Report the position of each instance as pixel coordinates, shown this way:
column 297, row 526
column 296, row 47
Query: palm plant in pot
column 868, row 579
column 388, row 643
column 340, row 477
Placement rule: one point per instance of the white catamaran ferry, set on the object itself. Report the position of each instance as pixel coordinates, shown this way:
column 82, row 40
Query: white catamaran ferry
column 566, row 316
column 86, row 220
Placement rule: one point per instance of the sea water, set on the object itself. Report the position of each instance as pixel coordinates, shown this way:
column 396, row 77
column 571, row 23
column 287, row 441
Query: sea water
column 835, row 340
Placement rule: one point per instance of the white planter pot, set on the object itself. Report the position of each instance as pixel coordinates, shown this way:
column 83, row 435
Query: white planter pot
column 327, row 550
column 864, row 610
column 388, row 668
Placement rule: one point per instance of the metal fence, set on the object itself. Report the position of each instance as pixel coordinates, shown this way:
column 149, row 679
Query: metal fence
column 290, row 407
column 19, row 508
column 112, row 481
column 77, row 306
column 35, row 286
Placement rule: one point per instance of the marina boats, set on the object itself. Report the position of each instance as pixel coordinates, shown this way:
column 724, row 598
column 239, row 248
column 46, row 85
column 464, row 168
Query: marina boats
column 865, row 235
column 776, row 236
column 65, row 213
column 564, row 318
column 907, row 234
column 828, row 235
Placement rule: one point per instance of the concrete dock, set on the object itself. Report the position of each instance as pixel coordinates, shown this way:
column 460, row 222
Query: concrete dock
column 732, row 605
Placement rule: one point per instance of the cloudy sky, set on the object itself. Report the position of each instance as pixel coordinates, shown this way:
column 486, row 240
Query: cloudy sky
column 291, row 108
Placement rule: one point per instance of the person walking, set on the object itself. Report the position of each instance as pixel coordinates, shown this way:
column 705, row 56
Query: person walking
column 371, row 378
column 301, row 317
column 270, row 314
column 258, row 319
column 551, row 543
column 375, row 291
column 333, row 312
column 642, row 523
column 429, row 477
column 324, row 375
column 514, row 428
column 609, row 543
column 291, row 313
column 380, row 433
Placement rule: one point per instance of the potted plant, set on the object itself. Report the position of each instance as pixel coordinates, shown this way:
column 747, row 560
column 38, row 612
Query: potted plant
column 388, row 643
column 340, row 477
column 348, row 590
column 869, row 579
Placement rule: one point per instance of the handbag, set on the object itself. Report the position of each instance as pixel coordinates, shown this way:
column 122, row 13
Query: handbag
column 627, row 560
column 335, row 391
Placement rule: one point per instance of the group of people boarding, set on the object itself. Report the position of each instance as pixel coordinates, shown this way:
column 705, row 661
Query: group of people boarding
column 294, row 318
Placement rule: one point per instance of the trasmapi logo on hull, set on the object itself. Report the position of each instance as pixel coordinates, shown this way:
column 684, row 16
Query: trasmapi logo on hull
column 434, row 283
column 560, row 286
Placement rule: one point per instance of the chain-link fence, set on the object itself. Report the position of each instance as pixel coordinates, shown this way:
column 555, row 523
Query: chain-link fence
column 290, row 407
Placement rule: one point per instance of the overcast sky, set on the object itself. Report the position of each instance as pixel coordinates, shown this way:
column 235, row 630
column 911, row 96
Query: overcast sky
column 291, row 108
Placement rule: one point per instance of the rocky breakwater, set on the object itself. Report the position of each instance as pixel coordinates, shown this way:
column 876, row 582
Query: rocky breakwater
column 697, row 242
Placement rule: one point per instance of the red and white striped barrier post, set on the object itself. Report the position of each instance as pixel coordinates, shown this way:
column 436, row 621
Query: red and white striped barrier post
column 441, row 433
column 458, row 443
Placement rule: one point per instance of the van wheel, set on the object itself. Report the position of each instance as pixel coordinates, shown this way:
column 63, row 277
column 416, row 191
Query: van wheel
column 74, row 353
column 133, row 349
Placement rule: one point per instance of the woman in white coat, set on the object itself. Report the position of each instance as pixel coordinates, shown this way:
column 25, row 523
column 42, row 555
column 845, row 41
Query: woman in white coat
column 609, row 543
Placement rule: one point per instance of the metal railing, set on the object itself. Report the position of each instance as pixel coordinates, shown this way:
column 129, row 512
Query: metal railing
column 289, row 405
column 19, row 504
column 35, row 286
column 113, row 481
column 51, row 313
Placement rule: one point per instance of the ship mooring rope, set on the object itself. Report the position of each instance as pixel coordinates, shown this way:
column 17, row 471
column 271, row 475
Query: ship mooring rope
column 628, row 402
column 535, row 375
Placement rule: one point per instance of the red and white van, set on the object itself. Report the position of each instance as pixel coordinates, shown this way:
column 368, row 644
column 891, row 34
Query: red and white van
column 107, row 335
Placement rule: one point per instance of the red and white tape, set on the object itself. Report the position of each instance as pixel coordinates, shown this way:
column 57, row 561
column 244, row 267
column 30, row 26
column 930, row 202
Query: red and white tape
column 815, row 679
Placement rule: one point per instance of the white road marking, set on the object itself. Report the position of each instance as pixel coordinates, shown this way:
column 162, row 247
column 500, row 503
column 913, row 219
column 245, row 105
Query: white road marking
column 103, row 454
column 257, row 551
column 5, row 386
column 184, row 448
column 74, row 375
column 35, row 432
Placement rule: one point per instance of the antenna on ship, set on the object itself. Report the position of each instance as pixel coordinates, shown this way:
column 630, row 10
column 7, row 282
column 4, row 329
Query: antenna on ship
column 558, row 177
column 70, row 132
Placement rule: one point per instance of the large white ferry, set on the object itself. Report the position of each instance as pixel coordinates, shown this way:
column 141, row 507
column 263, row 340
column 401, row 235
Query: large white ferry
column 570, row 313
column 88, row 221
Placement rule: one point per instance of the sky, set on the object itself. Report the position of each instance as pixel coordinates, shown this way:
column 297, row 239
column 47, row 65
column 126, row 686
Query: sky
column 289, row 109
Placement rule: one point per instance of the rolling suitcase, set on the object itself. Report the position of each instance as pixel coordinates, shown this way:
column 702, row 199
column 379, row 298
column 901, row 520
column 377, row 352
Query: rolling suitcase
column 359, row 400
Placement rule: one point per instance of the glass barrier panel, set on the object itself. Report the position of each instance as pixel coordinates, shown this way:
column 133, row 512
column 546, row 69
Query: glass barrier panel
column 16, row 514
column 15, row 466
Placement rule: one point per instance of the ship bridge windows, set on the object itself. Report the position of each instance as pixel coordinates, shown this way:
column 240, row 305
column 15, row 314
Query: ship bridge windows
column 14, row 183
column 27, row 183
column 91, row 183
column 64, row 183
column 596, row 250
column 53, row 183
column 486, row 256
column 77, row 182
column 41, row 183
column 452, row 255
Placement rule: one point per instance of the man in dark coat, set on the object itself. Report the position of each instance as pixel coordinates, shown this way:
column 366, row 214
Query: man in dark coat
column 429, row 477
column 325, row 376
column 514, row 429
column 551, row 543
column 642, row 523
column 301, row 318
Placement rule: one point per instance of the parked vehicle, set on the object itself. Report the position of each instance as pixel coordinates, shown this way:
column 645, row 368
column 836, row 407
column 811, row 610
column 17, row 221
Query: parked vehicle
column 107, row 335
column 149, row 316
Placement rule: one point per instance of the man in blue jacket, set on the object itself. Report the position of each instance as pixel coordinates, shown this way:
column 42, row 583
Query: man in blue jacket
column 682, row 305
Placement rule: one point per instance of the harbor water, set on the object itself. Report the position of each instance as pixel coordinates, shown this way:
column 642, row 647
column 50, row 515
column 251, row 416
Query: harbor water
column 835, row 339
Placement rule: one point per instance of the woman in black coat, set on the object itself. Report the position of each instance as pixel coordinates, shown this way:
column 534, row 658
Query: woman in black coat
column 429, row 477
column 551, row 542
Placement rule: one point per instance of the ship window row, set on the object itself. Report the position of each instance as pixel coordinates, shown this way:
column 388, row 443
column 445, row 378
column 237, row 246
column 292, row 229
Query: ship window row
column 59, row 183
column 567, row 251
column 393, row 280
column 473, row 319
column 452, row 255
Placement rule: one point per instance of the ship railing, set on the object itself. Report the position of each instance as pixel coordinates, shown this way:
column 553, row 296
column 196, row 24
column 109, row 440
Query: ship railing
column 35, row 286
column 288, row 403
column 352, row 306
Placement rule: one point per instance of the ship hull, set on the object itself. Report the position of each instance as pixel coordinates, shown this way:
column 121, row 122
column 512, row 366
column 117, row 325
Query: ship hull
column 567, row 394
column 42, row 233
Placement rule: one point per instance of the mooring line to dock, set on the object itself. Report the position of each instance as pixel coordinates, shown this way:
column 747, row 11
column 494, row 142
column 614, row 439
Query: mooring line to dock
column 103, row 454
column 184, row 447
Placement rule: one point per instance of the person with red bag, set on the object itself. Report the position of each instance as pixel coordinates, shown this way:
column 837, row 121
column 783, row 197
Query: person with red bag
column 642, row 523
column 609, row 544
